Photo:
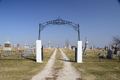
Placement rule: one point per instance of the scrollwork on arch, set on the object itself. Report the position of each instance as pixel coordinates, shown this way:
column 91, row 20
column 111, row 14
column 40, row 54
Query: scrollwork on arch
column 58, row 21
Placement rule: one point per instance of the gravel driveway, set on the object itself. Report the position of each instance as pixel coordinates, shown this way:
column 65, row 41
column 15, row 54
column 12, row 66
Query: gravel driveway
column 66, row 73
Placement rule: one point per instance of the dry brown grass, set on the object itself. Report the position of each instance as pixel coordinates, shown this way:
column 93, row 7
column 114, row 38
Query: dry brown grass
column 92, row 69
column 22, row 69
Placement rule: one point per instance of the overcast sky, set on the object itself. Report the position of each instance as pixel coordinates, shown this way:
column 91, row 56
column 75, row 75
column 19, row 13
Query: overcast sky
column 99, row 21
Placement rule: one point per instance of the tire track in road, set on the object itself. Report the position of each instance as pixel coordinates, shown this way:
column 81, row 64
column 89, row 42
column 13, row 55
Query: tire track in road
column 68, row 72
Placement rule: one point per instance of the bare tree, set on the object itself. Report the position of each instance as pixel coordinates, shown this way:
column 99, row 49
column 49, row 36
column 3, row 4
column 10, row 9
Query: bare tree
column 116, row 39
column 67, row 43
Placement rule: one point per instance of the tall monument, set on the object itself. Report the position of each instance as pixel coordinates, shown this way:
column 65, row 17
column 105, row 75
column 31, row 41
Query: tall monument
column 18, row 45
column 49, row 45
column 0, row 45
column 86, row 45
column 7, row 45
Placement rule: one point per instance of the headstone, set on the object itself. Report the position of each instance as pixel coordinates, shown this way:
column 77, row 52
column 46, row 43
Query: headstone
column 109, row 47
column 64, row 46
column 73, row 48
column 69, row 47
column 9, row 54
column 13, row 53
column 29, row 51
column 7, row 46
column 21, row 56
column 14, row 46
column 94, row 47
column 98, row 48
column 6, row 55
column 26, row 46
column 91, row 47
column 86, row 45
column 49, row 45
column 1, row 56
column 110, row 54
column 114, row 46
column 118, row 52
column 106, row 48
column 33, row 45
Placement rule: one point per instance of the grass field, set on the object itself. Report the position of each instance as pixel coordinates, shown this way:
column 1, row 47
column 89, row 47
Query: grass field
column 93, row 69
column 24, row 69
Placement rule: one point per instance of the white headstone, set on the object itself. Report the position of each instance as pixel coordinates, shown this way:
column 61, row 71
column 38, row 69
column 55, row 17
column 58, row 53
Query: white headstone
column 92, row 47
column 49, row 45
column 86, row 45
column 29, row 51
column 64, row 46
column 14, row 45
column 73, row 48
column 33, row 45
column 69, row 47
column 26, row 46
column 109, row 47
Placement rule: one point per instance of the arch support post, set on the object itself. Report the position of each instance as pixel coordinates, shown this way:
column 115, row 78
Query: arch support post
column 79, row 52
column 38, row 51
column 79, row 48
column 38, row 48
column 78, row 33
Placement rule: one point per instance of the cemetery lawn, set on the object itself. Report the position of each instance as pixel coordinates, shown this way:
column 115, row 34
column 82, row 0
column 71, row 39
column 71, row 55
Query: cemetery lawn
column 17, row 69
column 94, row 69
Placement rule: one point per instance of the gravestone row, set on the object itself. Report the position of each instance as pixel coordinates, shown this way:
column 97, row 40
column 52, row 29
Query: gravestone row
column 27, row 52
column 7, row 55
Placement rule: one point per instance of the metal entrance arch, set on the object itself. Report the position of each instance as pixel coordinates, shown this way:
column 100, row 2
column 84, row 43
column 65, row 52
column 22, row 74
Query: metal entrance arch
column 59, row 21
